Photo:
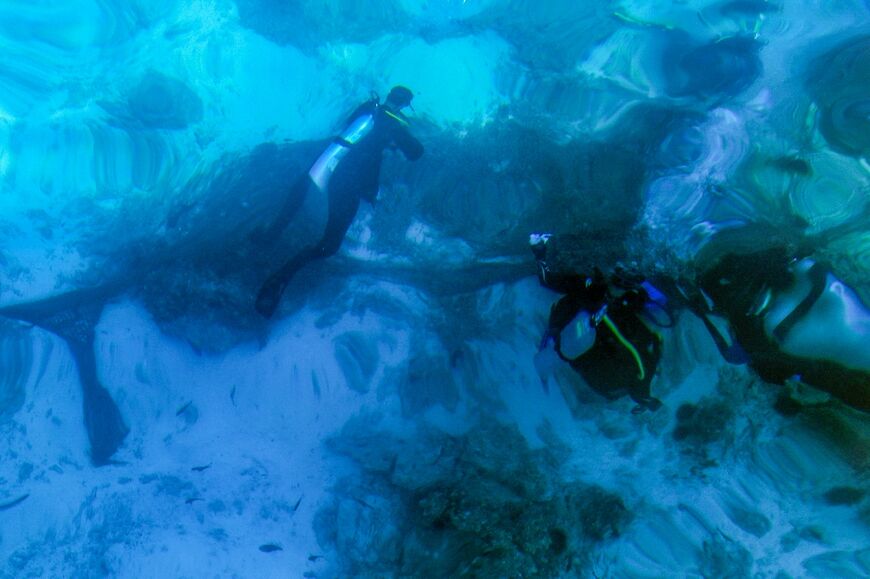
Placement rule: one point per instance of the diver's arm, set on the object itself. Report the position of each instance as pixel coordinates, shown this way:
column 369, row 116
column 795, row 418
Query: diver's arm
column 408, row 144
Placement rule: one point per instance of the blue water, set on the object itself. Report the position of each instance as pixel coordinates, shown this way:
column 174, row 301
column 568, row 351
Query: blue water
column 390, row 419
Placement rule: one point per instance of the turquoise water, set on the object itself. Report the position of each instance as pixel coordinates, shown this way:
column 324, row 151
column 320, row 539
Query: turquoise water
column 389, row 420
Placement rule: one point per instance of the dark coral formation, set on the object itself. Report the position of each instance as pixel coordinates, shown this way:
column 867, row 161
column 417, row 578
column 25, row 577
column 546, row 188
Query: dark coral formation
column 703, row 428
column 481, row 505
column 163, row 102
column 702, row 424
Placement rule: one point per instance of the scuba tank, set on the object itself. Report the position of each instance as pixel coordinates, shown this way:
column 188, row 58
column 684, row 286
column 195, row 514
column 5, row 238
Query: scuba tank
column 577, row 337
column 322, row 170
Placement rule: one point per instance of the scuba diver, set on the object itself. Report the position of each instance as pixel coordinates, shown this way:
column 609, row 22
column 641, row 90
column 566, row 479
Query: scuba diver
column 347, row 171
column 601, row 327
column 793, row 318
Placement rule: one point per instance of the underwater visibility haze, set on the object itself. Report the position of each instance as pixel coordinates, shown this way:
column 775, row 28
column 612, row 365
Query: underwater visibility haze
column 587, row 295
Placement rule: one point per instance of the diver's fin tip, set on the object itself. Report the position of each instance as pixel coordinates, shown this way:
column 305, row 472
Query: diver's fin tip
column 268, row 299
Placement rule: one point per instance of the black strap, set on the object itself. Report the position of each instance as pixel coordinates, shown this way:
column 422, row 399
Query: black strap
column 818, row 278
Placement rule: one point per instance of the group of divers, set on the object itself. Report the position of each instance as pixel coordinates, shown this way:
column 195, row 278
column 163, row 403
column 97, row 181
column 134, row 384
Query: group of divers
column 784, row 314
column 775, row 308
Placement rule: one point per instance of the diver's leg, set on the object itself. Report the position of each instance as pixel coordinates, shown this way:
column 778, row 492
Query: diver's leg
column 292, row 202
column 270, row 292
column 342, row 210
column 103, row 421
column 650, row 353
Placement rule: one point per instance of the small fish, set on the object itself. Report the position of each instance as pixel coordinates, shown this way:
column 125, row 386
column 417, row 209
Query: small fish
column 363, row 503
column 192, row 500
column 201, row 468
column 233, row 395
column 296, row 506
column 271, row 548
column 315, row 558
column 181, row 410
column 11, row 504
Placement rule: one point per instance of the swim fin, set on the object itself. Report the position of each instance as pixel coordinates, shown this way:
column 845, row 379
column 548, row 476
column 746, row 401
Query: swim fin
column 269, row 297
column 73, row 317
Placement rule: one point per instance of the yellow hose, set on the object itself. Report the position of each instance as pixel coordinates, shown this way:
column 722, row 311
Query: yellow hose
column 632, row 350
column 397, row 117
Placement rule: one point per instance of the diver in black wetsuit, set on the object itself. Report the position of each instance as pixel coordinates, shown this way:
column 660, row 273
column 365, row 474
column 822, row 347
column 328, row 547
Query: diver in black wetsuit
column 598, row 327
column 793, row 319
column 347, row 171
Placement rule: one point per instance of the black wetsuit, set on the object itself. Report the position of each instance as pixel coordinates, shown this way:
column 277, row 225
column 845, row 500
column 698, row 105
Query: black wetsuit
column 610, row 367
column 355, row 177
column 737, row 283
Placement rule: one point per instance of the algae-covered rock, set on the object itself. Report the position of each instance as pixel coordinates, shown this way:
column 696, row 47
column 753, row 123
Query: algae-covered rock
column 482, row 505
column 725, row 558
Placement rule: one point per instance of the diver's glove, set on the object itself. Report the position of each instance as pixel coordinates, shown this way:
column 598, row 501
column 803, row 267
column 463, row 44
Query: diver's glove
column 269, row 297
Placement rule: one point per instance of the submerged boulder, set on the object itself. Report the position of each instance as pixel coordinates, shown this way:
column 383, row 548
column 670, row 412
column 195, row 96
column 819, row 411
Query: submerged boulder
column 163, row 102
column 482, row 504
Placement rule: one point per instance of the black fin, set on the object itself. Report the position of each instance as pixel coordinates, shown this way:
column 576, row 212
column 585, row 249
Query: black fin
column 269, row 297
column 73, row 317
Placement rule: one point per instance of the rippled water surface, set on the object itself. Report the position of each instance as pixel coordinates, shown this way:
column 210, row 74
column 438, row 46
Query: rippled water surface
column 390, row 421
